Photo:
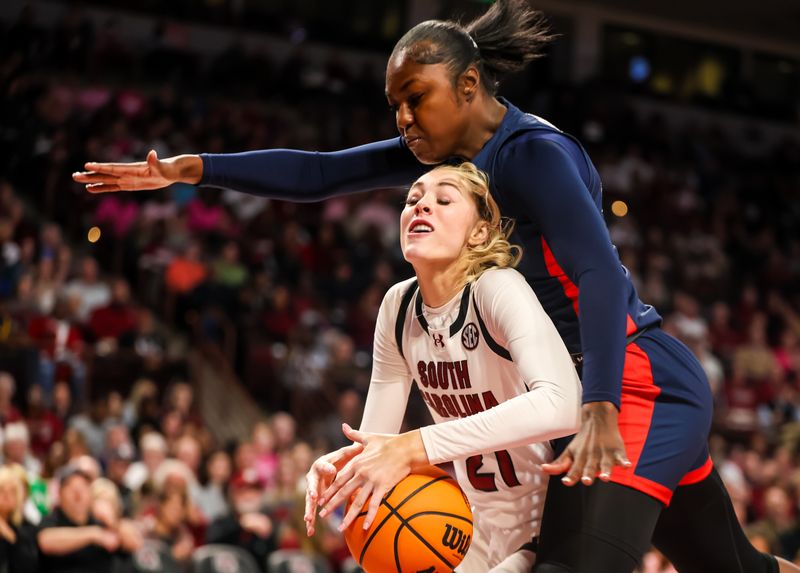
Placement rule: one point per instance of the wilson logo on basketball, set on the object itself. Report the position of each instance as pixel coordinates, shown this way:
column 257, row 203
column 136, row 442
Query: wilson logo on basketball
column 470, row 336
column 456, row 539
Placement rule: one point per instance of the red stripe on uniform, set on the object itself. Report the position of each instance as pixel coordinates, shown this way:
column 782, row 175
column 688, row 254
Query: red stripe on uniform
column 698, row 475
column 555, row 270
column 635, row 416
column 630, row 327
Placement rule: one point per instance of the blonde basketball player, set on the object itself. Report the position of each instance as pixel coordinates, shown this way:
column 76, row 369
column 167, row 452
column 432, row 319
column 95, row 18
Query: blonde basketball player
column 490, row 365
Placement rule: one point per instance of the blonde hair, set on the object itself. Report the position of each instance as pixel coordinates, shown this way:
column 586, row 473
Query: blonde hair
column 104, row 488
column 9, row 475
column 496, row 251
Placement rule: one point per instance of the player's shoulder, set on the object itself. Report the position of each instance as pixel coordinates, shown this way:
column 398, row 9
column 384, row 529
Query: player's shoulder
column 530, row 143
column 493, row 282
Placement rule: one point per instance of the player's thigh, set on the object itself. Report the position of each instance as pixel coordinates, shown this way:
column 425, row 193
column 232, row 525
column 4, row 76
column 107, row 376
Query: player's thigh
column 699, row 532
column 603, row 528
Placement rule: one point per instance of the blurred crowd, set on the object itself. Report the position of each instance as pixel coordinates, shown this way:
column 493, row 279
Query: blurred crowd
column 101, row 429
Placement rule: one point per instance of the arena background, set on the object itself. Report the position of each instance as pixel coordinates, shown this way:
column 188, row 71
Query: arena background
column 235, row 332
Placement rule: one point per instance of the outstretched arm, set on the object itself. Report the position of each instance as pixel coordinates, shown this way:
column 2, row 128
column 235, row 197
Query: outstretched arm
column 276, row 173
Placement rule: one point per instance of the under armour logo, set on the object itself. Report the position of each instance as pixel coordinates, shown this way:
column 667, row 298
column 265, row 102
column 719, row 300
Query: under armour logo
column 438, row 340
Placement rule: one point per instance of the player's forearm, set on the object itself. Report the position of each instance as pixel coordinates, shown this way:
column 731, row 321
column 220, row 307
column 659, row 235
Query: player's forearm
column 312, row 176
column 603, row 321
column 550, row 410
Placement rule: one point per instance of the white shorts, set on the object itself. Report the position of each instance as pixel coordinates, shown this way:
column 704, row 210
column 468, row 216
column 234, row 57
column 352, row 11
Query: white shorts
column 497, row 551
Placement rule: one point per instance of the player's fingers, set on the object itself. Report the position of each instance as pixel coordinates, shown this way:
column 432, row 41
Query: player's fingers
column 345, row 454
column 341, row 495
column 344, row 476
column 310, row 514
column 84, row 176
column 102, row 188
column 576, row 471
column 560, row 465
column 138, row 168
column 94, row 177
column 354, row 435
column 606, row 466
column 374, row 506
column 591, row 468
column 621, row 458
column 355, row 506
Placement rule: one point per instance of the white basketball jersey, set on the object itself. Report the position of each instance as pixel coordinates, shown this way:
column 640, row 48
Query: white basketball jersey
column 470, row 358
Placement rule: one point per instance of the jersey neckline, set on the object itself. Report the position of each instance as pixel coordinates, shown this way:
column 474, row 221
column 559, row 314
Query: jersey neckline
column 462, row 310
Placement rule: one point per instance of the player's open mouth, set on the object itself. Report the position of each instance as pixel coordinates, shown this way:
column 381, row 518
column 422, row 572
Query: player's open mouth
column 420, row 227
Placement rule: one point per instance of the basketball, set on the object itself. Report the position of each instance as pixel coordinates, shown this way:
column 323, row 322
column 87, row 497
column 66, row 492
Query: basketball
column 424, row 525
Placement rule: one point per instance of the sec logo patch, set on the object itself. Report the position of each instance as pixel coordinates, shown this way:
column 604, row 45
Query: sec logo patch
column 470, row 336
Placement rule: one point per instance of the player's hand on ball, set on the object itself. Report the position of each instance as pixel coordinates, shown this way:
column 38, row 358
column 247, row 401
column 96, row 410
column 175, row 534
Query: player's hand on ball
column 321, row 475
column 386, row 460
column 152, row 173
column 595, row 450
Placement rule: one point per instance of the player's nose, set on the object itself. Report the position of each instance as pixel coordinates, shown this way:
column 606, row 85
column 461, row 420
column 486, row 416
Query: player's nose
column 404, row 118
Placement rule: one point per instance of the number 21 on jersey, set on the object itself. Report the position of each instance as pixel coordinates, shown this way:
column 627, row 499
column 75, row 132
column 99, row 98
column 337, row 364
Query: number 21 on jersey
column 485, row 481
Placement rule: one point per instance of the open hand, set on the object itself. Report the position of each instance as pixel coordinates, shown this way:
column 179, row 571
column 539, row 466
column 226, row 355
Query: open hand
column 152, row 173
column 321, row 475
column 386, row 460
column 595, row 449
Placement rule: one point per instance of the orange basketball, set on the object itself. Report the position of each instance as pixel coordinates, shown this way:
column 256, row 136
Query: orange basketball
column 424, row 525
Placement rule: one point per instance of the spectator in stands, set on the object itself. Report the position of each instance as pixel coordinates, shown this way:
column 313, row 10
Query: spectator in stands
column 284, row 427
column 18, row 551
column 118, row 463
column 776, row 521
column 117, row 318
column 187, row 450
column 212, row 500
column 70, row 538
column 170, row 524
column 90, row 425
column 8, row 412
column 61, row 346
column 63, row 405
column 46, row 284
column 142, row 388
column 107, row 509
column 91, row 291
column 16, row 449
column 147, row 339
column 266, row 460
column 153, row 449
column 247, row 525
column 186, row 271
column 45, row 426
column 754, row 361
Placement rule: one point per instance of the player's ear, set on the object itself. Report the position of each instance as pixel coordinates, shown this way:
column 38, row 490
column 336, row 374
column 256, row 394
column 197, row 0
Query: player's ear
column 479, row 235
column 469, row 82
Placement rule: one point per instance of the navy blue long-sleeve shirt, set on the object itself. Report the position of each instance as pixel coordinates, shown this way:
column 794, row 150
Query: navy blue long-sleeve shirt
column 542, row 178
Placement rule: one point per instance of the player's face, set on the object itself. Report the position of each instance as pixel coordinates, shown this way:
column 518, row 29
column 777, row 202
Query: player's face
column 428, row 111
column 439, row 221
